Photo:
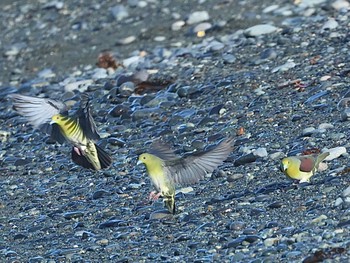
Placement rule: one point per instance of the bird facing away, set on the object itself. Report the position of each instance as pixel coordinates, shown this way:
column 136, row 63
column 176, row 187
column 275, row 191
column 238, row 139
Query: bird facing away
column 84, row 152
column 166, row 169
column 302, row 167
column 39, row 112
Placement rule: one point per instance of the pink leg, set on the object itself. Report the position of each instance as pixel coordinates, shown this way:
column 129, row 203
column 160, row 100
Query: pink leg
column 76, row 149
column 154, row 196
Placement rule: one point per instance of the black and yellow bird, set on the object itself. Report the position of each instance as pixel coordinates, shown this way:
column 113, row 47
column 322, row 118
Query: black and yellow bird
column 166, row 169
column 79, row 130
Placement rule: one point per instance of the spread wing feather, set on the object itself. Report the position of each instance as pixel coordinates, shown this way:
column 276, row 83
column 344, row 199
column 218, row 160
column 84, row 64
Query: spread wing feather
column 38, row 111
column 85, row 118
column 194, row 168
column 162, row 151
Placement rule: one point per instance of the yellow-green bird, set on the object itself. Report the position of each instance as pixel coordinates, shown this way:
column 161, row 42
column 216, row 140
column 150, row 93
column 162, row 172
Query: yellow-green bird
column 166, row 169
column 49, row 116
column 302, row 167
column 85, row 152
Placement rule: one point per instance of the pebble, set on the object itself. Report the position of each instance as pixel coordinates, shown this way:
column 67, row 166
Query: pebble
column 133, row 61
column 46, row 74
column 340, row 4
column 100, row 194
column 4, row 136
column 308, row 131
column 178, row 25
column 330, row 24
column 245, row 159
column 15, row 49
column 110, row 223
column 345, row 115
column 311, row 3
column 126, row 41
column 285, row 67
column 119, row 12
column 185, row 190
column 99, row 73
column 319, row 219
column 234, row 177
column 346, row 192
column 197, row 17
column 335, row 153
column 81, row 85
column 229, row 58
column 269, row 242
column 73, row 214
column 126, row 89
column 270, row 8
column 276, row 155
column 338, row 202
column 259, row 30
column 260, row 152
column 202, row 27
column 325, row 126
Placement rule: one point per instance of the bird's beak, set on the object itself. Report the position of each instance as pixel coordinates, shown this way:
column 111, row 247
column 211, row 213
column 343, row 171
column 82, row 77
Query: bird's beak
column 138, row 162
column 282, row 168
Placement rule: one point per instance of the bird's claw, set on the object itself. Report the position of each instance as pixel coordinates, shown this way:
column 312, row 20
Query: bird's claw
column 76, row 149
column 153, row 196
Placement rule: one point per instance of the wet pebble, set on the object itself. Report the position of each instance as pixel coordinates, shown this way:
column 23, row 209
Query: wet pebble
column 235, row 243
column 74, row 214
column 111, row 223
column 99, row 194
column 245, row 159
column 345, row 115
column 186, row 91
column 285, row 67
column 260, row 152
column 335, row 153
column 202, row 27
column 119, row 12
column 330, row 24
column 308, row 131
column 258, row 30
column 197, row 17
column 145, row 114
column 119, row 111
column 341, row 4
column 176, row 26
column 126, row 89
column 234, row 177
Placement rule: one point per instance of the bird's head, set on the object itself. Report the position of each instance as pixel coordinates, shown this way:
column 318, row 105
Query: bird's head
column 145, row 158
column 58, row 119
column 284, row 164
column 149, row 160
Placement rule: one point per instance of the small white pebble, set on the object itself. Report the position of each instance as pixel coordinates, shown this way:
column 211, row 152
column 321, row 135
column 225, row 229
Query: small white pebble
column 335, row 153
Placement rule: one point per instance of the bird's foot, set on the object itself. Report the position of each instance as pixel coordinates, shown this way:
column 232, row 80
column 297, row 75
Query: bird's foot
column 153, row 196
column 77, row 150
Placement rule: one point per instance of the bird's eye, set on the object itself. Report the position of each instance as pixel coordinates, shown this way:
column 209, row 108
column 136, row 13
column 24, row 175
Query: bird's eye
column 144, row 157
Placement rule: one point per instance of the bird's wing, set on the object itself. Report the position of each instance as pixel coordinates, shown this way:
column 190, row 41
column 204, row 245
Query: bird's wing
column 162, row 151
column 38, row 111
column 54, row 131
column 194, row 168
column 85, row 118
column 307, row 163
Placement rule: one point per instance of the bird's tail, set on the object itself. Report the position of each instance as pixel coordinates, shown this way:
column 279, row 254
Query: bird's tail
column 104, row 158
column 320, row 158
column 169, row 202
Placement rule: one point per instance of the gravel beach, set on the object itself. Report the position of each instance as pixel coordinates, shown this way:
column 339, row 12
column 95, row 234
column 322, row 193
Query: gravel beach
column 275, row 74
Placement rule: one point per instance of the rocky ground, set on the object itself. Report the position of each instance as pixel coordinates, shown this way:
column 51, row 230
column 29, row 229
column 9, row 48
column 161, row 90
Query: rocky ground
column 273, row 73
